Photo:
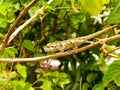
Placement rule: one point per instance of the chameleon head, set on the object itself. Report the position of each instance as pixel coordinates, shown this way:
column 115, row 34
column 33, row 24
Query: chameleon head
column 50, row 47
column 54, row 47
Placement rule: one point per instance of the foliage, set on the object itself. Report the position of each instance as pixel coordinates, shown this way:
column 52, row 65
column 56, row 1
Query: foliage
column 63, row 19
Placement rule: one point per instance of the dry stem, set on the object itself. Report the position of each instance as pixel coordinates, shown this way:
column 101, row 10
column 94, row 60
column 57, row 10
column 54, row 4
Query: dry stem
column 61, row 54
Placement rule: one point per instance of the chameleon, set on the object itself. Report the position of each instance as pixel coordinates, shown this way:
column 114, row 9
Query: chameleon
column 71, row 43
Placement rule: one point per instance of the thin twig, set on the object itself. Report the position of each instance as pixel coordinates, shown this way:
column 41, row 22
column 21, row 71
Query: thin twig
column 14, row 25
column 61, row 54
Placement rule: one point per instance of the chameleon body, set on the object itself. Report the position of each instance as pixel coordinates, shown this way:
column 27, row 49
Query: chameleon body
column 71, row 43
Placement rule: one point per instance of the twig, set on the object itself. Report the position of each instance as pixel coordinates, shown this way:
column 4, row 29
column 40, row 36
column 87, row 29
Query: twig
column 109, row 53
column 13, row 26
column 9, row 37
column 27, row 22
column 61, row 54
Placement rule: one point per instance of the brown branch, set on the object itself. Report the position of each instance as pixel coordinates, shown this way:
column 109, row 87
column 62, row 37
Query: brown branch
column 27, row 22
column 13, row 26
column 61, row 54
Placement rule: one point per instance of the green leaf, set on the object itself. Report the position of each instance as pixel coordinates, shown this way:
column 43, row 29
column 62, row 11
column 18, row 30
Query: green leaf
column 98, row 87
column 112, row 71
column 2, row 82
column 63, row 81
column 33, row 9
column 31, row 64
column 101, row 62
column 47, row 85
column 9, row 52
column 10, row 17
column 117, row 80
column 19, row 84
column 3, row 8
column 7, row 13
column 13, row 74
column 54, row 74
column 28, row 87
column 77, row 18
column 62, row 75
column 28, row 45
column 21, row 69
column 110, row 47
column 3, row 23
column 93, row 8
column 91, row 77
column 85, row 86
column 18, row 87
column 114, row 17
column 75, row 86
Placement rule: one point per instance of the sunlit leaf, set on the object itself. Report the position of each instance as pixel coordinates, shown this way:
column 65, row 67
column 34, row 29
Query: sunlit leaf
column 28, row 87
column 13, row 74
column 112, row 71
column 3, row 8
column 18, row 87
column 94, row 7
column 9, row 52
column 3, row 23
column 47, row 85
column 21, row 69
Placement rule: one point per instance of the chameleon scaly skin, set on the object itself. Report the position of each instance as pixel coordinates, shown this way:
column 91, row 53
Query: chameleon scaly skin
column 71, row 43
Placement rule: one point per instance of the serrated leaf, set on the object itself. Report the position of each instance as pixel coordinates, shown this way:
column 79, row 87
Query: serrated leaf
column 28, row 45
column 21, row 69
column 112, row 71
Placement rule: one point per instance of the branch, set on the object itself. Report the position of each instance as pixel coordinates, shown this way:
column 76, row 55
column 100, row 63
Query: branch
column 61, row 54
column 27, row 22
column 13, row 26
column 10, row 37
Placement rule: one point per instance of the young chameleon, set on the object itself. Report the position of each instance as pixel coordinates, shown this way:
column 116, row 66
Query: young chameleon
column 71, row 43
